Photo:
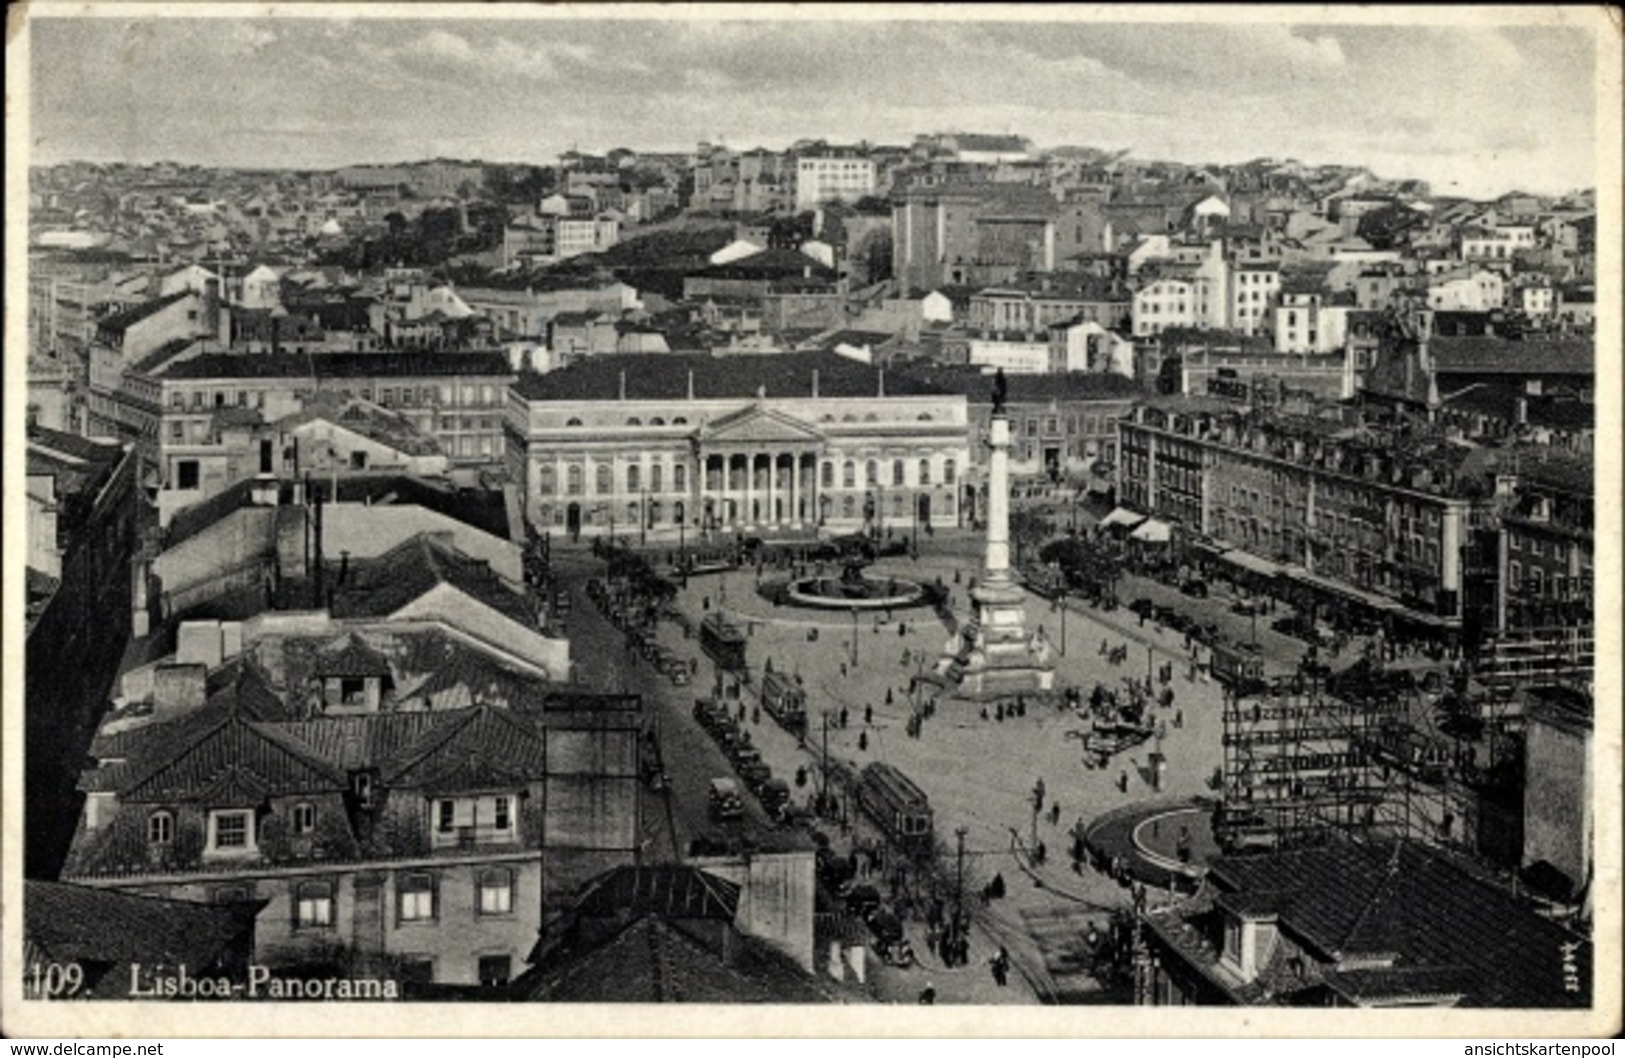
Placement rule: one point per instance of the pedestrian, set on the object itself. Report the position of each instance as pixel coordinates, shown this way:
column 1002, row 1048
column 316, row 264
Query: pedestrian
column 1001, row 967
column 1055, row 813
column 928, row 995
column 984, row 712
column 1179, row 718
column 1122, row 781
column 843, row 668
column 843, row 717
column 869, row 710
column 863, row 741
column 902, row 629
column 998, row 712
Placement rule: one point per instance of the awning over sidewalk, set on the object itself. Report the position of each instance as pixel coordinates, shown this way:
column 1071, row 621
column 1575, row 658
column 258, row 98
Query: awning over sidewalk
column 1345, row 591
column 1153, row 531
column 1121, row 516
column 1251, row 563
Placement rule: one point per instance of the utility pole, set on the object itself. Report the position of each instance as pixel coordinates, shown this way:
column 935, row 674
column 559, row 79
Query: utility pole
column 959, row 871
column 823, row 771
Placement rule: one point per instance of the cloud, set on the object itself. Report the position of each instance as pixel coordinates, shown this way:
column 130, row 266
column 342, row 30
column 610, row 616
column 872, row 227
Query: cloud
column 442, row 44
column 708, row 80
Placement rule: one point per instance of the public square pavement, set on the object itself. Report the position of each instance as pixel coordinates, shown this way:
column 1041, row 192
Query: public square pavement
column 979, row 774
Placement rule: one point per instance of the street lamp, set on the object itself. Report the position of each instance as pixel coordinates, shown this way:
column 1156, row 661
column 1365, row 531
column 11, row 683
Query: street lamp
column 854, row 636
column 915, row 497
column 643, row 517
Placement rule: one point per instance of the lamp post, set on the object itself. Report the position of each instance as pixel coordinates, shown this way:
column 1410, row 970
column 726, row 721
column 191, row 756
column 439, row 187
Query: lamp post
column 854, row 636
column 915, row 498
column 643, row 517
column 959, row 870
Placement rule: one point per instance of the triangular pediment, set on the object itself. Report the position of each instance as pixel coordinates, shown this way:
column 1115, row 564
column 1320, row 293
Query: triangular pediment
column 757, row 425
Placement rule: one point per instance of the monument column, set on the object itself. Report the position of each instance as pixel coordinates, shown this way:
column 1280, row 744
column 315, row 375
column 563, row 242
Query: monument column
column 998, row 500
column 995, row 653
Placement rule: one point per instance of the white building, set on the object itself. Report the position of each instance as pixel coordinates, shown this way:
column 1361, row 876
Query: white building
column 1309, row 322
column 262, row 289
column 1501, row 242
column 1478, row 291
column 692, row 446
column 1254, row 288
column 824, row 178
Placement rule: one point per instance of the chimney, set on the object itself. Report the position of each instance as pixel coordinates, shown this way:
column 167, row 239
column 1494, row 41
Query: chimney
column 690, row 383
column 180, row 686
column 815, row 384
column 881, row 392
column 623, row 385
column 211, row 307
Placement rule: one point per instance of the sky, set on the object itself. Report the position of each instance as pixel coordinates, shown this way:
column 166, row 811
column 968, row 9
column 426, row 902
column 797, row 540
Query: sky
column 1476, row 110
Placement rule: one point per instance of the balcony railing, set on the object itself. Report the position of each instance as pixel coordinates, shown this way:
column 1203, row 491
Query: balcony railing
column 467, row 837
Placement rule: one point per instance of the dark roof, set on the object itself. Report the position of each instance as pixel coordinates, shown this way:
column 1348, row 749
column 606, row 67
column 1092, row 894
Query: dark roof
column 233, row 757
column 1554, row 468
column 321, row 366
column 381, row 586
column 653, row 961
column 859, row 338
column 119, row 322
column 219, row 756
column 670, row 891
column 106, row 931
column 1531, row 356
column 976, row 141
column 475, row 749
column 1021, row 389
column 1412, row 904
column 78, row 465
column 650, row 376
column 1440, row 984
column 69, row 444
column 162, row 355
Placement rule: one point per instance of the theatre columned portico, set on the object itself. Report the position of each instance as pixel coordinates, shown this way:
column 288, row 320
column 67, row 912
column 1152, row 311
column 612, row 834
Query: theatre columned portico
column 758, row 468
column 657, row 445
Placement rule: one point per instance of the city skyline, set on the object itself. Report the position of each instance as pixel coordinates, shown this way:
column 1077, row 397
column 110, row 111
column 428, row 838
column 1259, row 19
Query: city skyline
column 1474, row 110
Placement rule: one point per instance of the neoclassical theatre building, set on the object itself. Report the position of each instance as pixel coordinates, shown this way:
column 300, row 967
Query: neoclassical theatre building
column 653, row 445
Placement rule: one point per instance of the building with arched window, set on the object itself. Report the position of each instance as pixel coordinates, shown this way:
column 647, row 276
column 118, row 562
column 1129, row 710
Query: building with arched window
column 784, row 442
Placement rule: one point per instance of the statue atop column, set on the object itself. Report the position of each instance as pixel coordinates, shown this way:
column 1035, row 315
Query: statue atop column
column 1000, row 387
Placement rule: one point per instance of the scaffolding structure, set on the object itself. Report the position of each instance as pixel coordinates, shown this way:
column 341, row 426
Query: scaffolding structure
column 1300, row 763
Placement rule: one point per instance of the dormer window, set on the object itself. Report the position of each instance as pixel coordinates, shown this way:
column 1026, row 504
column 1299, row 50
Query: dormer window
column 231, row 832
column 161, row 828
column 304, row 817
